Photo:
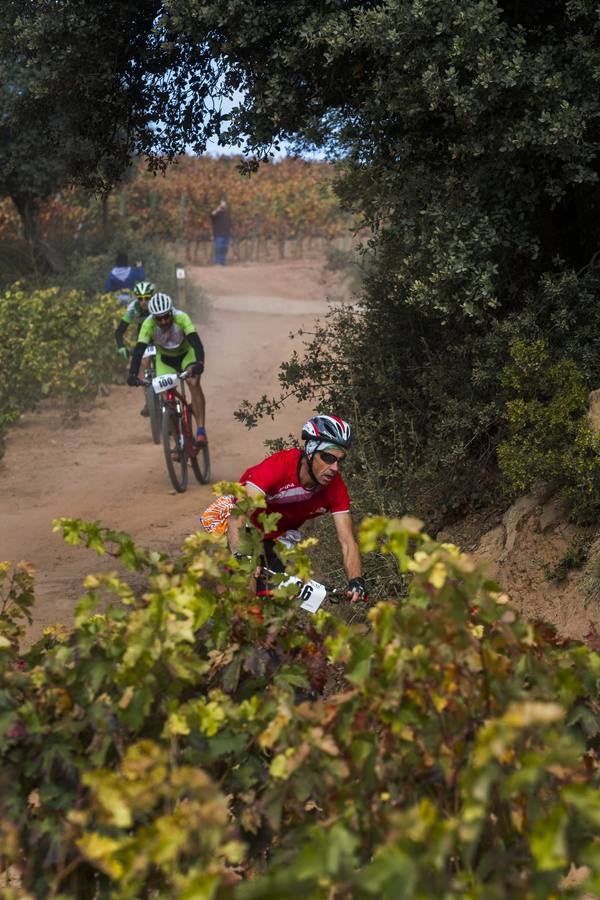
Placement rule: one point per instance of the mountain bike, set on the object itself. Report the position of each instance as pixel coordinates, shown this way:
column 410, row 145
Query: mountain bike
column 178, row 432
column 152, row 399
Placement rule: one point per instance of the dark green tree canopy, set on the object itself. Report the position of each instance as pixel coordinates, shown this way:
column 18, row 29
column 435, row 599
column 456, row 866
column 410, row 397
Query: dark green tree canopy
column 107, row 81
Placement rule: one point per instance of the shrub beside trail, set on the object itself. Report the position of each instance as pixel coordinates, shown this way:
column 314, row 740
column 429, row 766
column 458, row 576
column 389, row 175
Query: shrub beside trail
column 56, row 344
column 550, row 437
column 180, row 741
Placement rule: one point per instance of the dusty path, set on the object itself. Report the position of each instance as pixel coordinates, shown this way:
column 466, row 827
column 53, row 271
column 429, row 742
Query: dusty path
column 109, row 470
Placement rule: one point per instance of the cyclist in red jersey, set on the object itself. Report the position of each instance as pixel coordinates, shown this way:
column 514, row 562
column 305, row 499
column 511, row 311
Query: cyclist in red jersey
column 304, row 484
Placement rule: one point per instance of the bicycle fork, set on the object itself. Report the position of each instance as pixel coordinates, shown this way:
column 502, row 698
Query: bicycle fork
column 173, row 406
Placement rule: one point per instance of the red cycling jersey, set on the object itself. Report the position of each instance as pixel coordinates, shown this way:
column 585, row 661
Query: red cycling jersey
column 277, row 478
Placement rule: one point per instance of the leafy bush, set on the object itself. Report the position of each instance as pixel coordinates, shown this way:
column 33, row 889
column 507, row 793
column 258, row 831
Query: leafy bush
column 84, row 261
column 54, row 344
column 169, row 744
column 550, row 438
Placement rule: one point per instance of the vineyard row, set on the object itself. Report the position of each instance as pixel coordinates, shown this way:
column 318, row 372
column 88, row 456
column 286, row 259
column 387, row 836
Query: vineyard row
column 289, row 200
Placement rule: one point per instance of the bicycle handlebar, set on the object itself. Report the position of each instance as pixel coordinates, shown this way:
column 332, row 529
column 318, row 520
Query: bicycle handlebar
column 328, row 587
column 306, row 588
column 182, row 376
column 337, row 592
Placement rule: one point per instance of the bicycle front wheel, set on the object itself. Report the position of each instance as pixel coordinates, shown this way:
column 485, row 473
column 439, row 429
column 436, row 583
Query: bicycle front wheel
column 175, row 455
column 155, row 414
column 200, row 461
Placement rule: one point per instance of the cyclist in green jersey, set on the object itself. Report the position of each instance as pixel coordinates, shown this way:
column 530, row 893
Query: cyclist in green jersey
column 136, row 313
column 178, row 347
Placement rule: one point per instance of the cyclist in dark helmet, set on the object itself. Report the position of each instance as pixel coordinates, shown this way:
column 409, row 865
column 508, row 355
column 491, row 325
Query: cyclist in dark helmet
column 135, row 314
column 301, row 485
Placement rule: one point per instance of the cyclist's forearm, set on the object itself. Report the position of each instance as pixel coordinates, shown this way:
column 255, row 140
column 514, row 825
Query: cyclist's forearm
column 196, row 345
column 348, row 545
column 120, row 332
column 352, row 561
column 136, row 357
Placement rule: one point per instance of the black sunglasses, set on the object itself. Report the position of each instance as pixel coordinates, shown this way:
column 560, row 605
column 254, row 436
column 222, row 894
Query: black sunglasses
column 330, row 459
column 164, row 318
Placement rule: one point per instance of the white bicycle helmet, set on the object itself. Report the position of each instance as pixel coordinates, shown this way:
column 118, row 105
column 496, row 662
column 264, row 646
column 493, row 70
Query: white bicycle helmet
column 160, row 304
column 327, row 429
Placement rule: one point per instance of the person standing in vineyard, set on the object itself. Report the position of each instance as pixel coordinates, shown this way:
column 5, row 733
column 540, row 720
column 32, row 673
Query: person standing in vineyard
column 220, row 219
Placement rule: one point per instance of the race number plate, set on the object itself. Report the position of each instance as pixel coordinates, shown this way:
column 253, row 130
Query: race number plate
column 149, row 351
column 164, row 383
column 312, row 593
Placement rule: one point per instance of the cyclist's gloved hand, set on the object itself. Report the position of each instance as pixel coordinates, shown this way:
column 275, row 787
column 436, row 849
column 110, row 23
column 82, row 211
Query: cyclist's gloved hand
column 357, row 586
column 197, row 369
column 124, row 352
column 133, row 381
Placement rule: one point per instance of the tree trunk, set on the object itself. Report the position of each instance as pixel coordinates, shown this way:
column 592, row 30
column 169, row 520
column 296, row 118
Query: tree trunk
column 104, row 202
column 26, row 205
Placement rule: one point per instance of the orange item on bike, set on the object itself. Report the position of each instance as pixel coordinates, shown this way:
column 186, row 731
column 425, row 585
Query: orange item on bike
column 215, row 518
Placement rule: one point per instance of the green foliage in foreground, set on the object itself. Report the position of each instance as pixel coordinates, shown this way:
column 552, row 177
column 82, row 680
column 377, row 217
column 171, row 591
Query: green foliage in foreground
column 57, row 344
column 169, row 747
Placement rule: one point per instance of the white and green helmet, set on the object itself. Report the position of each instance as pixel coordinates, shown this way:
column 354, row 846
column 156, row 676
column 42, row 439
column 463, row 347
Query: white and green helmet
column 144, row 289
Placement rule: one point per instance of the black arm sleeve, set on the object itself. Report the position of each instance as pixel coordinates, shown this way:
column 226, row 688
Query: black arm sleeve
column 136, row 357
column 196, row 345
column 121, row 329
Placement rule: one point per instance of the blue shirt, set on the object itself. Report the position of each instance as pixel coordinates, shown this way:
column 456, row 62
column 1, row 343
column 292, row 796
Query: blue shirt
column 123, row 278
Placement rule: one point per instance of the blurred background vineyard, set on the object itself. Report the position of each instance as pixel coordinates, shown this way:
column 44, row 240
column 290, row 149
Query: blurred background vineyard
column 287, row 209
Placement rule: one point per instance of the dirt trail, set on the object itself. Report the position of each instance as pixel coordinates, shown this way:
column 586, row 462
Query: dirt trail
column 108, row 469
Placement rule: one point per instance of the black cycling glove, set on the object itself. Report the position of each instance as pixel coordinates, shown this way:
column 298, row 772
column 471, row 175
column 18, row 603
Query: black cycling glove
column 357, row 585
